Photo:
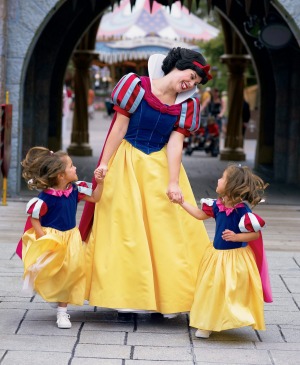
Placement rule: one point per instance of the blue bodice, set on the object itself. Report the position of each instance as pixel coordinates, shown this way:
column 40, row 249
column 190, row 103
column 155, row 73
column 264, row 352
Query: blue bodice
column 230, row 222
column 61, row 214
column 149, row 129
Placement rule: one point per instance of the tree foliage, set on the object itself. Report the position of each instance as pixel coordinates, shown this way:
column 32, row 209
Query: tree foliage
column 213, row 50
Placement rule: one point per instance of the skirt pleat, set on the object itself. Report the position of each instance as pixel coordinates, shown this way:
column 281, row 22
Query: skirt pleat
column 143, row 252
column 54, row 265
column 229, row 291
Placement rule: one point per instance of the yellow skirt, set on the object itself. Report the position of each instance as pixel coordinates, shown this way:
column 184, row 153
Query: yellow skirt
column 229, row 291
column 54, row 265
column 143, row 252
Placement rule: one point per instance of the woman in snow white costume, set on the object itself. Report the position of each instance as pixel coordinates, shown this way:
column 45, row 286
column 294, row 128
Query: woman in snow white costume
column 142, row 251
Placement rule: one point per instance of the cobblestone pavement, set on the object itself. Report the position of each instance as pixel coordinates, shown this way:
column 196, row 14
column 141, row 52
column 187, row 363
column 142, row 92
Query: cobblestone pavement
column 28, row 333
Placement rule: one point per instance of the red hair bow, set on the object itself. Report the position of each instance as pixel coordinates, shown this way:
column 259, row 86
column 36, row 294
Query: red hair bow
column 205, row 68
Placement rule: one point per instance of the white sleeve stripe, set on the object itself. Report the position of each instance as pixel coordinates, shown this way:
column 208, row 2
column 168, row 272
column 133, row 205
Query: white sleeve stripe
column 254, row 221
column 183, row 115
column 85, row 190
column 89, row 184
column 31, row 201
column 37, row 208
column 194, row 119
column 242, row 225
column 207, row 201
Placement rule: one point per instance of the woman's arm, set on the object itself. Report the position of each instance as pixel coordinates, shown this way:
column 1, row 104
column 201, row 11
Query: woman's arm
column 36, row 224
column 228, row 235
column 174, row 155
column 114, row 139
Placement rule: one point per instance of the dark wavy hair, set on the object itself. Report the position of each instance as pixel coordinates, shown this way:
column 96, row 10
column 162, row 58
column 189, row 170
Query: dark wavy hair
column 41, row 167
column 242, row 184
column 182, row 59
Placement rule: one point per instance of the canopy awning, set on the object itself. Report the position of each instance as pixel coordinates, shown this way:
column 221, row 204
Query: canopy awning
column 176, row 24
column 136, row 49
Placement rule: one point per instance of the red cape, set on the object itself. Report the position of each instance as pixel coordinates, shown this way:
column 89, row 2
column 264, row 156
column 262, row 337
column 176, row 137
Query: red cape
column 87, row 217
column 257, row 247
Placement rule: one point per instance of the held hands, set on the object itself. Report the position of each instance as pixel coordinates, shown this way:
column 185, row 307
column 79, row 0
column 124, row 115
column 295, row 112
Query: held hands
column 174, row 193
column 98, row 174
column 228, row 235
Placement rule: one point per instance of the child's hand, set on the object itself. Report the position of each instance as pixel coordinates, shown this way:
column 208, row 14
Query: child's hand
column 228, row 235
column 102, row 169
column 99, row 177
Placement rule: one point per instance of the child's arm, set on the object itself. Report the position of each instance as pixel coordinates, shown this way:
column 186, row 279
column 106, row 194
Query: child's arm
column 194, row 211
column 96, row 195
column 36, row 224
column 228, row 235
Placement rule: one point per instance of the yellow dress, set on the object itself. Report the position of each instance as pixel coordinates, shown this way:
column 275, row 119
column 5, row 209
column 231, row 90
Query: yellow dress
column 54, row 265
column 143, row 251
column 229, row 291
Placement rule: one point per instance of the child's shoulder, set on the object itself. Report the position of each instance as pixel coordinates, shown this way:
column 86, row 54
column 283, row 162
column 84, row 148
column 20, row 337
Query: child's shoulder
column 84, row 187
column 207, row 201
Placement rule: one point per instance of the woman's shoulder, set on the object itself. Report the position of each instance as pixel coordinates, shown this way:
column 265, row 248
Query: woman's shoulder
column 127, row 94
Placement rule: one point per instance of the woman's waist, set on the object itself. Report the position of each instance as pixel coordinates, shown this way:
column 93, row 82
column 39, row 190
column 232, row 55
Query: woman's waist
column 144, row 145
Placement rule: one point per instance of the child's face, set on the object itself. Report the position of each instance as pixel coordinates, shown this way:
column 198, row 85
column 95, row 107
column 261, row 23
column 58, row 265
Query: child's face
column 221, row 184
column 70, row 171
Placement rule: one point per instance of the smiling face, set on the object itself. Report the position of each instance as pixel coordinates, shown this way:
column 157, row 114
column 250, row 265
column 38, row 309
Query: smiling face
column 222, row 184
column 186, row 80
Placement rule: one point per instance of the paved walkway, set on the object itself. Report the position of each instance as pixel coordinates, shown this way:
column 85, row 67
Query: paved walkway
column 28, row 334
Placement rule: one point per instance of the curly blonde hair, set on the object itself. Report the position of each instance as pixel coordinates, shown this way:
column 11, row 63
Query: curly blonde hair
column 242, row 184
column 41, row 167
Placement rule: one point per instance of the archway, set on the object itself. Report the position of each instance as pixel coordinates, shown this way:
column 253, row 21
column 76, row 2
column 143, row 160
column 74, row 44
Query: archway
column 42, row 110
column 277, row 72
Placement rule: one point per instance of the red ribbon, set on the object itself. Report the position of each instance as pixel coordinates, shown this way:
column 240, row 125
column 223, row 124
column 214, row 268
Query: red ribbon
column 205, row 68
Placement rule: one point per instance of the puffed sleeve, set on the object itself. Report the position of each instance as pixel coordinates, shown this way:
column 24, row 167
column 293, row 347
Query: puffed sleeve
column 36, row 208
column 84, row 188
column 190, row 117
column 251, row 222
column 127, row 94
column 207, row 206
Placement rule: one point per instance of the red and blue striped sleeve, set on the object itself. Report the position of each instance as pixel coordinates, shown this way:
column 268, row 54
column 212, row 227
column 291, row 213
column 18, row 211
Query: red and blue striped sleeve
column 190, row 117
column 127, row 94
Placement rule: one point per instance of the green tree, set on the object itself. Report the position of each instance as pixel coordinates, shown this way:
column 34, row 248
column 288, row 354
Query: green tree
column 212, row 51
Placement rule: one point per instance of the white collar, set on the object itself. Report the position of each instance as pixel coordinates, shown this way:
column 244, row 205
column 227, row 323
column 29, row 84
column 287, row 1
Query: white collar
column 155, row 72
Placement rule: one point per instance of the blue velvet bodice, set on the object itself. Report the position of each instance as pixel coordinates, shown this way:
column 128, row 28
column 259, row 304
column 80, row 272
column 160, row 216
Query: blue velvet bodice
column 149, row 129
column 230, row 222
column 61, row 214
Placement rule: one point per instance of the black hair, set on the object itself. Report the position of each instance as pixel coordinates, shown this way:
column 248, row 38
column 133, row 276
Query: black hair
column 182, row 59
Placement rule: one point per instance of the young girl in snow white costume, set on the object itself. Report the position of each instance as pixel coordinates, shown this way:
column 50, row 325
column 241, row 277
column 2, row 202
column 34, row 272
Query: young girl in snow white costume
column 51, row 247
column 233, row 279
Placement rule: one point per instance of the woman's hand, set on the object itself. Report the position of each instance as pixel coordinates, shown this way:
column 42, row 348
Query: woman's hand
column 174, row 193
